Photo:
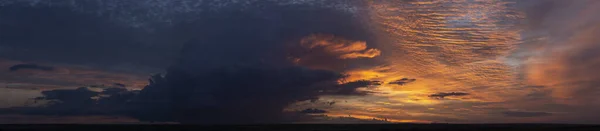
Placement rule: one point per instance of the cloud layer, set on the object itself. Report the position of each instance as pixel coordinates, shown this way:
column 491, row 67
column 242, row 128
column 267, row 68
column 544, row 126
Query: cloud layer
column 224, row 72
column 402, row 61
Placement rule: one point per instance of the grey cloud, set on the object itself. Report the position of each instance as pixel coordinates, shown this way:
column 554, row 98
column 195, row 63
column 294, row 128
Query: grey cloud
column 313, row 111
column 403, row 81
column 442, row 95
column 350, row 88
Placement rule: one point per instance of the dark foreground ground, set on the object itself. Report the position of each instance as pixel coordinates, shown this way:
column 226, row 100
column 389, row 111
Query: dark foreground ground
column 312, row 127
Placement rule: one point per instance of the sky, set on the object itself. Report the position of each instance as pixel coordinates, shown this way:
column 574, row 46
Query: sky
column 299, row 61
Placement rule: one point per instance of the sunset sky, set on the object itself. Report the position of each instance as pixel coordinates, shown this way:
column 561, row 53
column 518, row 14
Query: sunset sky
column 300, row 61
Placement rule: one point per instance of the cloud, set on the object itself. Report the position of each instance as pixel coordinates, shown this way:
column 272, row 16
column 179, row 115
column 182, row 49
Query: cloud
column 79, row 95
column 30, row 66
column 331, row 52
column 566, row 52
column 442, row 95
column 119, row 84
column 370, row 53
column 215, row 40
column 76, row 102
column 225, row 73
column 346, row 120
column 570, row 66
column 66, row 76
column 403, row 81
column 264, row 42
column 220, row 71
column 229, row 94
column 345, row 49
column 313, row 111
column 525, row 114
column 217, row 97
column 350, row 88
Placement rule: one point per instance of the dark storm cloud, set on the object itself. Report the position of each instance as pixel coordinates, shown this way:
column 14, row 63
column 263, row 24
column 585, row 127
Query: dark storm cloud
column 257, row 54
column 525, row 114
column 233, row 67
column 30, row 66
column 442, row 95
column 248, row 94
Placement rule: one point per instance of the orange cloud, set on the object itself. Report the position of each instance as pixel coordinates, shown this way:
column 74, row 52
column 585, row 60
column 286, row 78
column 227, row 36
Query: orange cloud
column 343, row 48
column 330, row 52
column 370, row 53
